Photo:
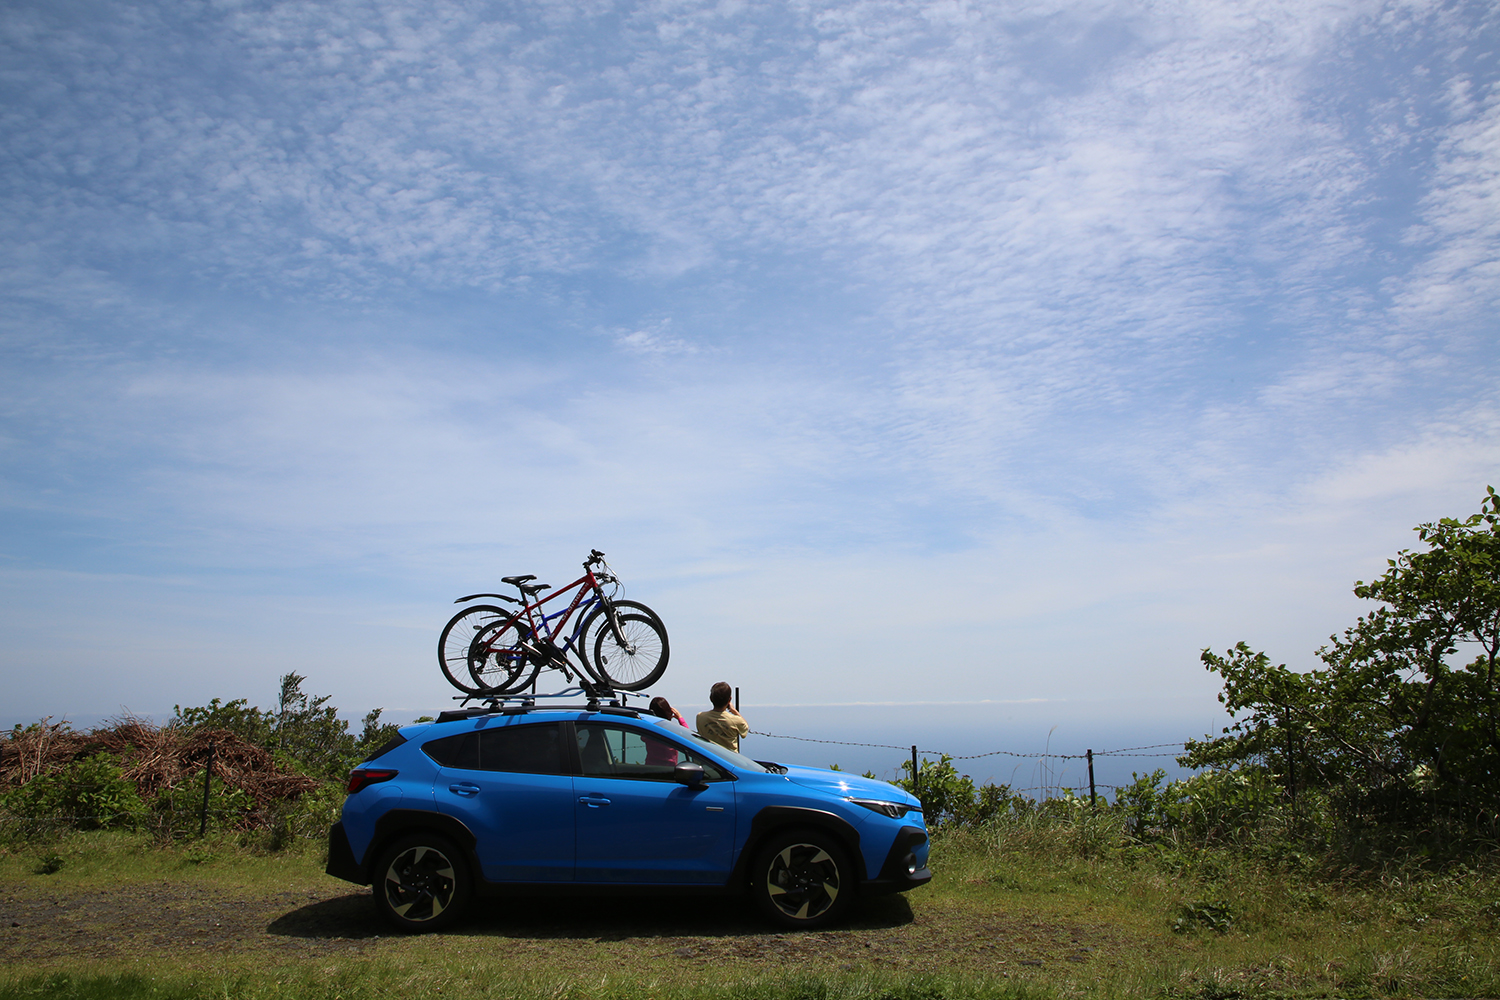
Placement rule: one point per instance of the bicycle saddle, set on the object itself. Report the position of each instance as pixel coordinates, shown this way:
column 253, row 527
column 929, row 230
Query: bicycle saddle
column 534, row 589
column 516, row 581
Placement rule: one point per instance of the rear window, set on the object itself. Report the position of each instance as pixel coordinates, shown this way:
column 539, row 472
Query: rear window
column 533, row 749
column 386, row 747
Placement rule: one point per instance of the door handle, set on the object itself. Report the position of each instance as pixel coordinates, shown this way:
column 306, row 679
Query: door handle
column 465, row 790
column 594, row 801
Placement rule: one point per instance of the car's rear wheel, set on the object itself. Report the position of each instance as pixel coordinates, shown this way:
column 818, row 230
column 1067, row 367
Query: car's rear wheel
column 422, row 883
column 803, row 879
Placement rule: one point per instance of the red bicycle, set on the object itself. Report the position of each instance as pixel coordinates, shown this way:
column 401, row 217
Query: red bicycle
column 621, row 645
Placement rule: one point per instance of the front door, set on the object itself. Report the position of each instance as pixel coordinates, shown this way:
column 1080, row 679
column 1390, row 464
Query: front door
column 635, row 824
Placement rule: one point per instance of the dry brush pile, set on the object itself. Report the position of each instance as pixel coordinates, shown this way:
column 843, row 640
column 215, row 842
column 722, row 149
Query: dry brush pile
column 160, row 763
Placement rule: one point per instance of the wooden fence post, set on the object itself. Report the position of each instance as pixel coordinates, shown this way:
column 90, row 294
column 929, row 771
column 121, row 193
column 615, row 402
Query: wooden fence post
column 208, row 770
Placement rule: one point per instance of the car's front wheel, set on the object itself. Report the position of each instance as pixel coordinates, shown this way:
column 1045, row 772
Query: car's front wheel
column 422, row 883
column 803, row 879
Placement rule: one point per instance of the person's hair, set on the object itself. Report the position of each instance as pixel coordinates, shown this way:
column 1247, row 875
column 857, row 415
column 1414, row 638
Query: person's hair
column 719, row 694
column 660, row 706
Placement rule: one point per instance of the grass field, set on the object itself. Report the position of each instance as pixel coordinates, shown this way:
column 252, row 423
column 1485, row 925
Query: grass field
column 1015, row 910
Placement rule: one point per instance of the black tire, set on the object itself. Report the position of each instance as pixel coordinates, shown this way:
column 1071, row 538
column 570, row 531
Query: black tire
column 641, row 661
column 802, row 879
column 456, row 644
column 422, row 883
column 498, row 664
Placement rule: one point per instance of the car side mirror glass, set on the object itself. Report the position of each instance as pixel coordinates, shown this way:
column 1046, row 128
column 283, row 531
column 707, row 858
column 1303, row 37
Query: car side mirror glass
column 690, row 775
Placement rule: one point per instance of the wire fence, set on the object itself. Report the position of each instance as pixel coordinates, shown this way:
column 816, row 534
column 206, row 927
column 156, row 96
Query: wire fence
column 1047, row 755
column 1043, row 758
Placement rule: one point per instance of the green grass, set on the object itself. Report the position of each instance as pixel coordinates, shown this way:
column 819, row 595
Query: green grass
column 1038, row 908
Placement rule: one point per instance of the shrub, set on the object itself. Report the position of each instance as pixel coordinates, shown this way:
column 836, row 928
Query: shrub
column 90, row 793
column 177, row 811
column 305, row 818
column 951, row 798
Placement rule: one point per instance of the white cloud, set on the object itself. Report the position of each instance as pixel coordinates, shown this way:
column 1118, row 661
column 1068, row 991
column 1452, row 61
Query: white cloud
column 655, row 340
column 1458, row 282
column 1027, row 319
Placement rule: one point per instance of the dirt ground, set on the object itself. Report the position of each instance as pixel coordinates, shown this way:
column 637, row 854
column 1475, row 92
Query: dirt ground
column 48, row 926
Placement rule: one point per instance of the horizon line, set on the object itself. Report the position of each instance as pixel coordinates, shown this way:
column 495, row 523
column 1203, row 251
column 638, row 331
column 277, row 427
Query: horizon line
column 895, row 704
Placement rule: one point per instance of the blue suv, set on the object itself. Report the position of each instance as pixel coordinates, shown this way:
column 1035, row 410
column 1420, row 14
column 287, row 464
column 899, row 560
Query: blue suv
column 488, row 801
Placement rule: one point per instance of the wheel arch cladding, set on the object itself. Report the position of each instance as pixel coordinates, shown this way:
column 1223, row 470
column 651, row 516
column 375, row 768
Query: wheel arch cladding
column 400, row 822
column 775, row 819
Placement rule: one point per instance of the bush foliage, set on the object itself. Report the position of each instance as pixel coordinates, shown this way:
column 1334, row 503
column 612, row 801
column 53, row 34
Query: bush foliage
column 277, row 775
column 90, row 793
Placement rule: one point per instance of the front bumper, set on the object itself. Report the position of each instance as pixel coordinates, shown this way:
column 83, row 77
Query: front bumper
column 902, row 869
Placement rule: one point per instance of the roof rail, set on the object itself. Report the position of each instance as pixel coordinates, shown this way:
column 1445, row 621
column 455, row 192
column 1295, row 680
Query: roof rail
column 520, row 704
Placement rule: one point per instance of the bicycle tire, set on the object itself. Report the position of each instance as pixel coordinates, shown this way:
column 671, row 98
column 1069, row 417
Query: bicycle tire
column 456, row 644
column 640, row 663
column 498, row 663
column 597, row 618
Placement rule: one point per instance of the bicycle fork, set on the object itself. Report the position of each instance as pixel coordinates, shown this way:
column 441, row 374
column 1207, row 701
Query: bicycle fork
column 614, row 626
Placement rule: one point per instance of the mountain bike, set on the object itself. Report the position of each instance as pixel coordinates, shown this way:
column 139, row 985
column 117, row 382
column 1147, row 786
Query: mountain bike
column 621, row 645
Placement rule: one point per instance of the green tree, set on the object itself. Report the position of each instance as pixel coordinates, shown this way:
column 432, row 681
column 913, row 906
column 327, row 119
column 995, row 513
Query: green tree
column 1400, row 728
column 304, row 731
column 238, row 716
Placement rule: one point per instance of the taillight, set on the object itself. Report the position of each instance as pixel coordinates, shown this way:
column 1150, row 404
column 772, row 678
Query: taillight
column 362, row 777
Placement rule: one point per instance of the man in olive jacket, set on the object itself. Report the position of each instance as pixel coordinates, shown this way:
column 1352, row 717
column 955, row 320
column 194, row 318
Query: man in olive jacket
column 723, row 725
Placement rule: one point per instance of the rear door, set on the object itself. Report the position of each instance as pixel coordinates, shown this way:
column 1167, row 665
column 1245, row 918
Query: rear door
column 510, row 784
column 636, row 824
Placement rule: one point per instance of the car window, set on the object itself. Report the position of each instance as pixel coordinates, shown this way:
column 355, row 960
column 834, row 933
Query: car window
column 739, row 760
column 532, row 749
column 619, row 752
column 461, row 751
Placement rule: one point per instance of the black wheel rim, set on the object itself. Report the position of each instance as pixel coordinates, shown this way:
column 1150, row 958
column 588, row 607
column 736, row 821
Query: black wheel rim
column 803, row 881
column 419, row 884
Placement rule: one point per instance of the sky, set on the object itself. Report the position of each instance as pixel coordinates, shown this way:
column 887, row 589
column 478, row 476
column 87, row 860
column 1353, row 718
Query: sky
column 949, row 369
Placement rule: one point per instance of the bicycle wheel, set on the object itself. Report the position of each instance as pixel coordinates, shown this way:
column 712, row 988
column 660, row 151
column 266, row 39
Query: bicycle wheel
column 597, row 619
column 589, row 631
column 634, row 659
column 499, row 664
column 456, row 644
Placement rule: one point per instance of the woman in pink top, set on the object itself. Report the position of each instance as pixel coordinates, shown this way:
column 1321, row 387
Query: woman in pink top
column 656, row 752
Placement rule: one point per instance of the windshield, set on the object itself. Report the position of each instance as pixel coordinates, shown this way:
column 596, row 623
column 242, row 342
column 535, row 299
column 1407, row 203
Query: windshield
column 738, row 760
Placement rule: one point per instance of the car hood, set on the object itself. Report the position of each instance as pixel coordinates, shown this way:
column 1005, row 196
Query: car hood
column 847, row 785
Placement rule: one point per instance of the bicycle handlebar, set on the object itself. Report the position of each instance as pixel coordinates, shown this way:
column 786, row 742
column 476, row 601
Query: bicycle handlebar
column 595, row 556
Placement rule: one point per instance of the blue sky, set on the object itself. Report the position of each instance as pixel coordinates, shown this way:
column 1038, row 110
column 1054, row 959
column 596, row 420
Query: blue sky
column 893, row 352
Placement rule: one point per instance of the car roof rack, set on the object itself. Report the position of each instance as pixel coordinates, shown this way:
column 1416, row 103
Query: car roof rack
column 520, row 704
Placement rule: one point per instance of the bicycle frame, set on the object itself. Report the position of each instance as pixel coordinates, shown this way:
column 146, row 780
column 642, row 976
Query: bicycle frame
column 539, row 622
column 542, row 645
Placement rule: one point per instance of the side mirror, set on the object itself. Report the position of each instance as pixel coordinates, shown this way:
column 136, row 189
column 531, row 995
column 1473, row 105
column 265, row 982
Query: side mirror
column 690, row 775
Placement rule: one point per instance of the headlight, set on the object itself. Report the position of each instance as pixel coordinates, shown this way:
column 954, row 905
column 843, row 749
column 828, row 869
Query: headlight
column 895, row 810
